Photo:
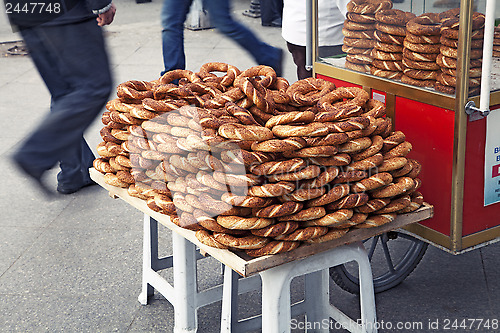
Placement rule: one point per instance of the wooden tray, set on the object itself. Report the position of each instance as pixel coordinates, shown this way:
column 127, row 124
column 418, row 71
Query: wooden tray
column 246, row 265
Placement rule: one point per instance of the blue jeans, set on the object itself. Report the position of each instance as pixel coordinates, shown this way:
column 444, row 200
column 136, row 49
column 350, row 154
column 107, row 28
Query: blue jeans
column 173, row 15
column 73, row 63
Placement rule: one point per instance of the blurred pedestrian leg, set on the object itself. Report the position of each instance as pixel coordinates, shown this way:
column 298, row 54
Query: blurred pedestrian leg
column 73, row 63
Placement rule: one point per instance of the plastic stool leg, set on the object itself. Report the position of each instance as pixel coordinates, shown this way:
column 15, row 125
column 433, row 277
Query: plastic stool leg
column 317, row 292
column 229, row 315
column 150, row 243
column 367, row 295
column 276, row 313
column 185, row 286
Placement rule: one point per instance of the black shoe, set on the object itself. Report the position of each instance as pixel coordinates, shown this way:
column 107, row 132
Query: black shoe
column 274, row 23
column 35, row 176
column 70, row 190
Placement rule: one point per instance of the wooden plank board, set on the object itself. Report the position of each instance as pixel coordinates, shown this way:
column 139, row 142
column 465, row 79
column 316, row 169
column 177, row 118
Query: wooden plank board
column 246, row 265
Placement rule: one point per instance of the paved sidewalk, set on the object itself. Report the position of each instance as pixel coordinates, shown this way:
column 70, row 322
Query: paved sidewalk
column 73, row 264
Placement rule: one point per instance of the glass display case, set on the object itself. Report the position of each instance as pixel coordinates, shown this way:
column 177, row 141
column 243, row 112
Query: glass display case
column 424, row 59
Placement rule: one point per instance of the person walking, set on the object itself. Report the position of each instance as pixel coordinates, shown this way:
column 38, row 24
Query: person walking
column 331, row 17
column 68, row 50
column 173, row 15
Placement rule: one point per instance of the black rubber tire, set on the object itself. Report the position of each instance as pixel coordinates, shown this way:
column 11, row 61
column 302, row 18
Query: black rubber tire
column 413, row 251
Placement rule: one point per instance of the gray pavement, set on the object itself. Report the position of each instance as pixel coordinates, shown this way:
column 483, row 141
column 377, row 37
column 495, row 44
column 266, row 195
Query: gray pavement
column 73, row 263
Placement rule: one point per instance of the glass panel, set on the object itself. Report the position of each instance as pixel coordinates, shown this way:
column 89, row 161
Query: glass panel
column 423, row 53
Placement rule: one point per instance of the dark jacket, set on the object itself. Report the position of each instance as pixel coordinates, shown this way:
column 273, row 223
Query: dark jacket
column 29, row 13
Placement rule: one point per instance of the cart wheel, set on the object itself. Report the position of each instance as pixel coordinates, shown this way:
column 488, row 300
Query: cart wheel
column 392, row 261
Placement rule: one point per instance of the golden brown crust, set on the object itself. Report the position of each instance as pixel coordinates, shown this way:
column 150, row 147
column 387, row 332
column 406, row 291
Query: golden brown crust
column 451, row 81
column 361, row 18
column 394, row 17
column 245, row 132
column 245, row 201
column 400, row 150
column 290, row 118
column 275, row 167
column 250, row 242
column 332, row 219
column 392, row 164
column 475, row 43
column 336, row 160
column 367, row 163
column 273, row 247
column 399, row 186
column 391, row 29
column 377, row 220
column 306, row 214
column 389, row 56
column 393, row 75
column 303, row 234
column 333, row 233
column 335, row 193
column 308, row 172
column 113, row 180
column 372, row 182
column 272, row 189
column 368, row 6
column 422, row 39
column 359, row 43
column 451, row 52
column 243, row 223
column 308, row 91
column 425, row 24
column 277, row 210
column 453, row 33
column 324, row 178
column 373, row 205
column 349, row 202
column 360, row 59
column 207, row 238
column 375, row 147
column 357, row 26
column 388, row 65
column 102, row 165
column 312, row 129
column 358, row 34
column 134, row 90
column 318, row 151
column 358, row 67
column 395, row 205
column 303, row 194
column 274, row 230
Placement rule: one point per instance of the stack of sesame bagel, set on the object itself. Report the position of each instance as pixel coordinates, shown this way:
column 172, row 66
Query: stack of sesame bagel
column 358, row 30
column 421, row 48
column 389, row 35
column 447, row 58
column 496, row 43
column 254, row 164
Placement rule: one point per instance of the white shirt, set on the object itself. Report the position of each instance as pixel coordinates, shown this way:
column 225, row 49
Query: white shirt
column 331, row 15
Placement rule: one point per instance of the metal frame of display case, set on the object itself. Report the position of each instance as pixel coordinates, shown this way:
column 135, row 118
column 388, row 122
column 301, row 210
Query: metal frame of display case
column 455, row 243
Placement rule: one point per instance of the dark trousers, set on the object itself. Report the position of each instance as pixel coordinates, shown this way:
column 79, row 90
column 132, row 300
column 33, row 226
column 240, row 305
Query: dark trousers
column 173, row 15
column 270, row 10
column 299, row 57
column 73, row 63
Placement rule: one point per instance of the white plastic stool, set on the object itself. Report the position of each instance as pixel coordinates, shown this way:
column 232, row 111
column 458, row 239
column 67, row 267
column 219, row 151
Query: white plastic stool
column 183, row 294
column 276, row 310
